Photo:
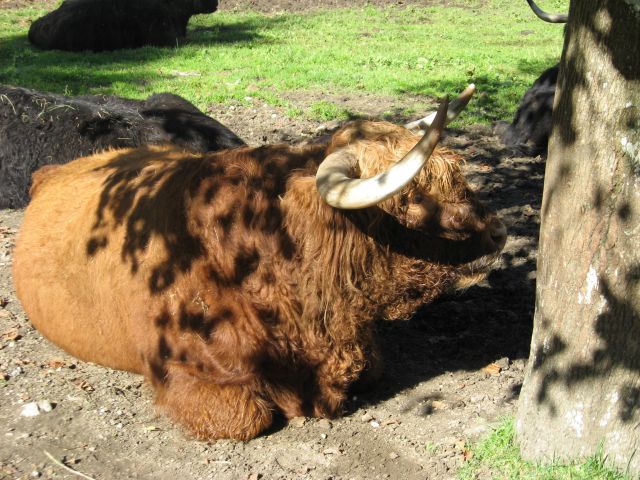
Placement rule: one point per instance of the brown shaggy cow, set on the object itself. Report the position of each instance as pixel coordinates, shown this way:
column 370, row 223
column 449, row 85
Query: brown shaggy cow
column 231, row 283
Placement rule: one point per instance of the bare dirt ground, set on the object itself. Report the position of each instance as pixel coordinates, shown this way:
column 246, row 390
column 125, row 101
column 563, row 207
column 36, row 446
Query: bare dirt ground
column 451, row 372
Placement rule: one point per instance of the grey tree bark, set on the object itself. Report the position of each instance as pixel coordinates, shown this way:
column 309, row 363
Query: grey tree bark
column 581, row 393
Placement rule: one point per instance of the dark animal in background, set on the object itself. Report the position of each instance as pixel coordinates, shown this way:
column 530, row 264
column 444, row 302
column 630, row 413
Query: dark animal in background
column 99, row 25
column 38, row 128
column 532, row 122
column 244, row 284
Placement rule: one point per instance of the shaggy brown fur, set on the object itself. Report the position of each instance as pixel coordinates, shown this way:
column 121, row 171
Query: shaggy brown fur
column 227, row 281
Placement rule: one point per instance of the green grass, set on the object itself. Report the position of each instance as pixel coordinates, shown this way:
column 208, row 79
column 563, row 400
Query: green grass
column 431, row 51
column 497, row 457
column 324, row 110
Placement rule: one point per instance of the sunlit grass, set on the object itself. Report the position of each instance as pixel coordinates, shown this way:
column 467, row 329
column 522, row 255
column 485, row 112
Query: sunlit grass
column 498, row 457
column 498, row 44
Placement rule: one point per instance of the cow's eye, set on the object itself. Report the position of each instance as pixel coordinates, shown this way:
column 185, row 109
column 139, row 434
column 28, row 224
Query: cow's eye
column 417, row 198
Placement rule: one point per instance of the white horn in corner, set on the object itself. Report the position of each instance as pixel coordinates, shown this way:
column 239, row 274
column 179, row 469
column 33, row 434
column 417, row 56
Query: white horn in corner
column 455, row 107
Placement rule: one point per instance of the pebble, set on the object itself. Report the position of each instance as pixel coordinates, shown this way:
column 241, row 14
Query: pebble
column 393, row 455
column 298, row 422
column 332, row 451
column 324, row 424
column 374, row 424
column 367, row 417
column 45, row 406
column 33, row 409
column 503, row 363
column 30, row 410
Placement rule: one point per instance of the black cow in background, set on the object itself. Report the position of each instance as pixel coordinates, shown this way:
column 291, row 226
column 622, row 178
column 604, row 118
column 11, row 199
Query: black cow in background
column 39, row 129
column 99, row 25
column 532, row 122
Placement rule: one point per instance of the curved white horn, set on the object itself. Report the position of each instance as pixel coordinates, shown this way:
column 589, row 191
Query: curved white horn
column 548, row 17
column 455, row 107
column 339, row 190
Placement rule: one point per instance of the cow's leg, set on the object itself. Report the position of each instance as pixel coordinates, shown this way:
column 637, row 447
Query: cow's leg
column 334, row 377
column 352, row 367
column 209, row 410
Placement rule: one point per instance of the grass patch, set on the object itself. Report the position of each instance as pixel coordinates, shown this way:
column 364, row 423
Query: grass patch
column 429, row 51
column 324, row 110
column 497, row 457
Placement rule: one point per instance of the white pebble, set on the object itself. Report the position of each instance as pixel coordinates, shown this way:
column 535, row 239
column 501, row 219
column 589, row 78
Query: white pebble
column 45, row 406
column 33, row 409
column 374, row 424
column 30, row 410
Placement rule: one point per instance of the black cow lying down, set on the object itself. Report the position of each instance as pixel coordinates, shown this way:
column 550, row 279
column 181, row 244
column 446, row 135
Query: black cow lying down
column 39, row 129
column 114, row 24
column 532, row 122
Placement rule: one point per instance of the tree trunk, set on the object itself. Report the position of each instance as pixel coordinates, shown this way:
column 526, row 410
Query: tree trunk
column 581, row 393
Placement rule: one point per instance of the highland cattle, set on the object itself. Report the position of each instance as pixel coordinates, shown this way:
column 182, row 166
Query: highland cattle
column 244, row 284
